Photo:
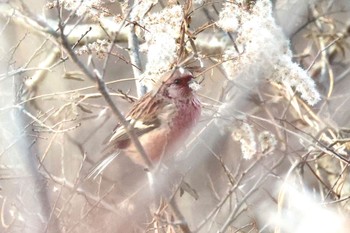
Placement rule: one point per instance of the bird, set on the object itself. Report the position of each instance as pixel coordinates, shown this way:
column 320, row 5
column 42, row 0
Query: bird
column 162, row 119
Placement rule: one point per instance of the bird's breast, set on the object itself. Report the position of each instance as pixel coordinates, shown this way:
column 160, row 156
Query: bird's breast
column 185, row 117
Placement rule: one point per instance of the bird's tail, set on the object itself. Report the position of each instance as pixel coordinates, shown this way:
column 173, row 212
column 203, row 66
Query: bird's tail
column 101, row 165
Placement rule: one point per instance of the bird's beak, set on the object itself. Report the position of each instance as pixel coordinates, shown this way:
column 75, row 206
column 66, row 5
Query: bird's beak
column 194, row 85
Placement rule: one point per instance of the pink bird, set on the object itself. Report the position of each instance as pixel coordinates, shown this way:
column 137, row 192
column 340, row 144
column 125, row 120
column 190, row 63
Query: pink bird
column 161, row 119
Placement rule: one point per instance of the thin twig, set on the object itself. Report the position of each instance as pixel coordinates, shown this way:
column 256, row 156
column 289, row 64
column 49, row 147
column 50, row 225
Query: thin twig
column 104, row 91
column 134, row 54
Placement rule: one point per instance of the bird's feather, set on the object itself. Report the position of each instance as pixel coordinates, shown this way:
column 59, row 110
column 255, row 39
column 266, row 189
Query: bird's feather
column 143, row 117
column 159, row 119
column 103, row 163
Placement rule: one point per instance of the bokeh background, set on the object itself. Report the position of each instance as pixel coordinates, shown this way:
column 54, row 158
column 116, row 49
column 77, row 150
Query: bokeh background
column 270, row 153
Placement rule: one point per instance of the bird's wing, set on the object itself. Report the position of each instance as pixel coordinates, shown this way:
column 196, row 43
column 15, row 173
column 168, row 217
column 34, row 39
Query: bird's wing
column 143, row 117
column 139, row 128
column 101, row 165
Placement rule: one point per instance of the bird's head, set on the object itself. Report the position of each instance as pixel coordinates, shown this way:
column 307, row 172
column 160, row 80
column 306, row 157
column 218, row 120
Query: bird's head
column 178, row 84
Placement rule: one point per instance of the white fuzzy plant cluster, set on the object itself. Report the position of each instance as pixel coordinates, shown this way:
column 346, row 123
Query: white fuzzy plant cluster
column 263, row 52
column 100, row 47
column 91, row 8
column 251, row 145
column 245, row 135
column 162, row 29
column 263, row 49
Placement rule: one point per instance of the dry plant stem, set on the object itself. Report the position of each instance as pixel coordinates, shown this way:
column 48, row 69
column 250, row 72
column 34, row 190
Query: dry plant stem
column 341, row 174
column 104, row 92
column 318, row 176
column 91, row 208
column 227, row 171
column 319, row 145
column 252, row 224
column 41, row 194
column 322, row 50
column 231, row 190
column 53, row 138
column 233, row 213
column 183, row 223
column 53, row 210
column 281, row 195
column 175, row 209
column 78, row 90
column 4, row 224
column 324, row 58
column 134, row 54
column 95, row 31
column 76, row 190
column 42, row 124
column 43, row 27
column 336, row 201
column 80, row 191
column 229, row 193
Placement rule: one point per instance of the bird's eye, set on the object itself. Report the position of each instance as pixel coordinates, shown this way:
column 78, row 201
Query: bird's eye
column 177, row 81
